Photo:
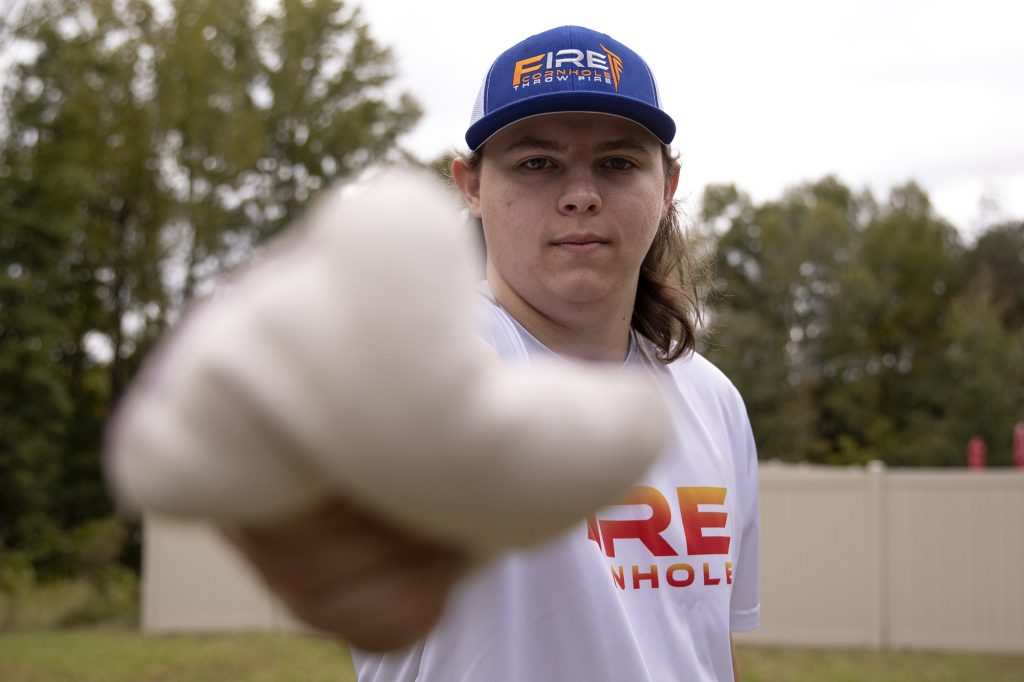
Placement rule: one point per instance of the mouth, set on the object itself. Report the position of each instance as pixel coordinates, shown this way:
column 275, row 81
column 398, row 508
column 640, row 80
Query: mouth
column 583, row 243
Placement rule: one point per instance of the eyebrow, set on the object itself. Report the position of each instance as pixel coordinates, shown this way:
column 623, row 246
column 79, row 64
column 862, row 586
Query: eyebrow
column 541, row 144
column 626, row 144
column 537, row 143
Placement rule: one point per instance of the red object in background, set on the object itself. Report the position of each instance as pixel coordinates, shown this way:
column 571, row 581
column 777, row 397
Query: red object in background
column 1018, row 445
column 976, row 453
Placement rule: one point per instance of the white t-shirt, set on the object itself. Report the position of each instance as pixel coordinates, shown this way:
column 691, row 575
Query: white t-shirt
column 642, row 592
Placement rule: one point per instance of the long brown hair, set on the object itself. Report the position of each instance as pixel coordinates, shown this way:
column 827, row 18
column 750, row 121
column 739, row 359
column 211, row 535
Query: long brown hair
column 673, row 275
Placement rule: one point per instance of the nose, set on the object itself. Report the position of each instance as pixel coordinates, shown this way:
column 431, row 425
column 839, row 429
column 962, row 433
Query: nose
column 580, row 196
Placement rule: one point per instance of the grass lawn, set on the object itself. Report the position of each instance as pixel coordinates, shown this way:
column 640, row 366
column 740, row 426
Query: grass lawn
column 856, row 665
column 118, row 656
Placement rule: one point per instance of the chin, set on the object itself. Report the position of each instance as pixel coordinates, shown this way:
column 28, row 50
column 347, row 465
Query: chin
column 584, row 291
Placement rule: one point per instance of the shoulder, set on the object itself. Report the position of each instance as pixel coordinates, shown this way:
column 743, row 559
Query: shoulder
column 705, row 386
column 693, row 369
column 694, row 366
column 706, row 398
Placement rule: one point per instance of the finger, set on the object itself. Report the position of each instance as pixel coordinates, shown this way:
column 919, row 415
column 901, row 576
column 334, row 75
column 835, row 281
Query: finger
column 392, row 609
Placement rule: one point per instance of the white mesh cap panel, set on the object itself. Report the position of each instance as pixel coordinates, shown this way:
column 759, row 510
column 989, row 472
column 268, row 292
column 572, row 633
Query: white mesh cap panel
column 478, row 106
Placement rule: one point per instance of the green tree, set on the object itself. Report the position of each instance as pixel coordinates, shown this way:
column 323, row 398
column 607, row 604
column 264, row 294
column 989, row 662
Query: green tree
column 984, row 367
column 861, row 331
column 885, row 390
column 76, row 197
column 996, row 264
column 258, row 112
column 777, row 273
column 146, row 146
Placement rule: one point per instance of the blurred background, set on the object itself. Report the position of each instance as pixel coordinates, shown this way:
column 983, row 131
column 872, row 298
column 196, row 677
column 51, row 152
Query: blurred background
column 856, row 171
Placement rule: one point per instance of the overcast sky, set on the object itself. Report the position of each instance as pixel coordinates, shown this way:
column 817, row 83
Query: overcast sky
column 769, row 94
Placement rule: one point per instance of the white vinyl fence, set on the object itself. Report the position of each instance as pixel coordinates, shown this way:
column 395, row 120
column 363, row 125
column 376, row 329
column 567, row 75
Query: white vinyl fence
column 851, row 557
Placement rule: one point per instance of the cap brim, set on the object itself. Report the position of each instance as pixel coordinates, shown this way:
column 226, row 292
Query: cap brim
column 653, row 119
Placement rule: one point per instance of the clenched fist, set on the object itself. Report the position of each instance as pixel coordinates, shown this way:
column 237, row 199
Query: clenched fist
column 342, row 366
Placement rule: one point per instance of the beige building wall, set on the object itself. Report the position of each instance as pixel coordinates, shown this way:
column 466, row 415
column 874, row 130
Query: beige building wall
column 850, row 557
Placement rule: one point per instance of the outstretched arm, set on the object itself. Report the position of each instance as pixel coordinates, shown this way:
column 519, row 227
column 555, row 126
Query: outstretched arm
column 329, row 407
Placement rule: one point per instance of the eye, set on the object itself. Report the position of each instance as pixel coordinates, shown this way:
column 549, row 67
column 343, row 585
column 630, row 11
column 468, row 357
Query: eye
column 619, row 163
column 536, row 163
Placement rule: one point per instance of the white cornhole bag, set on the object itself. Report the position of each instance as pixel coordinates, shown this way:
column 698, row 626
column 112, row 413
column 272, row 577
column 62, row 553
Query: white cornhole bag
column 343, row 363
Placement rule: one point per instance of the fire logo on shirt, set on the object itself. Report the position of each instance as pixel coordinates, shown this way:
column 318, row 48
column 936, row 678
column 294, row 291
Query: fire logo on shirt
column 650, row 533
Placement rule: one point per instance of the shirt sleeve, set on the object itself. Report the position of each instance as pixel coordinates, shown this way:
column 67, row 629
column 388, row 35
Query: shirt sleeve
column 745, row 608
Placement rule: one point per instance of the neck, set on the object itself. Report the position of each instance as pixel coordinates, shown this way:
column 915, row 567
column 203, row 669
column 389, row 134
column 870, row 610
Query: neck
column 593, row 331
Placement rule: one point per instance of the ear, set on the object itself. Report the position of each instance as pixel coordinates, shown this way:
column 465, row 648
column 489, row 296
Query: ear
column 468, row 182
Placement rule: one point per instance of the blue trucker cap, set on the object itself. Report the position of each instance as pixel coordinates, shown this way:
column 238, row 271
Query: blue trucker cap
column 569, row 68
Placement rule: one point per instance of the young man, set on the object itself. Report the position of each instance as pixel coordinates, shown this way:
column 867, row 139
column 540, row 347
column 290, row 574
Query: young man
column 570, row 175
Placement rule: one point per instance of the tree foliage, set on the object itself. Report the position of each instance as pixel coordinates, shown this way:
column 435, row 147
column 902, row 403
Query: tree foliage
column 861, row 330
column 144, row 147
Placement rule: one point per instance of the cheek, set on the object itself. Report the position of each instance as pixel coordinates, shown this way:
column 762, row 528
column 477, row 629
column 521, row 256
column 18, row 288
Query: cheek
column 511, row 224
column 503, row 239
column 648, row 214
column 506, row 202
